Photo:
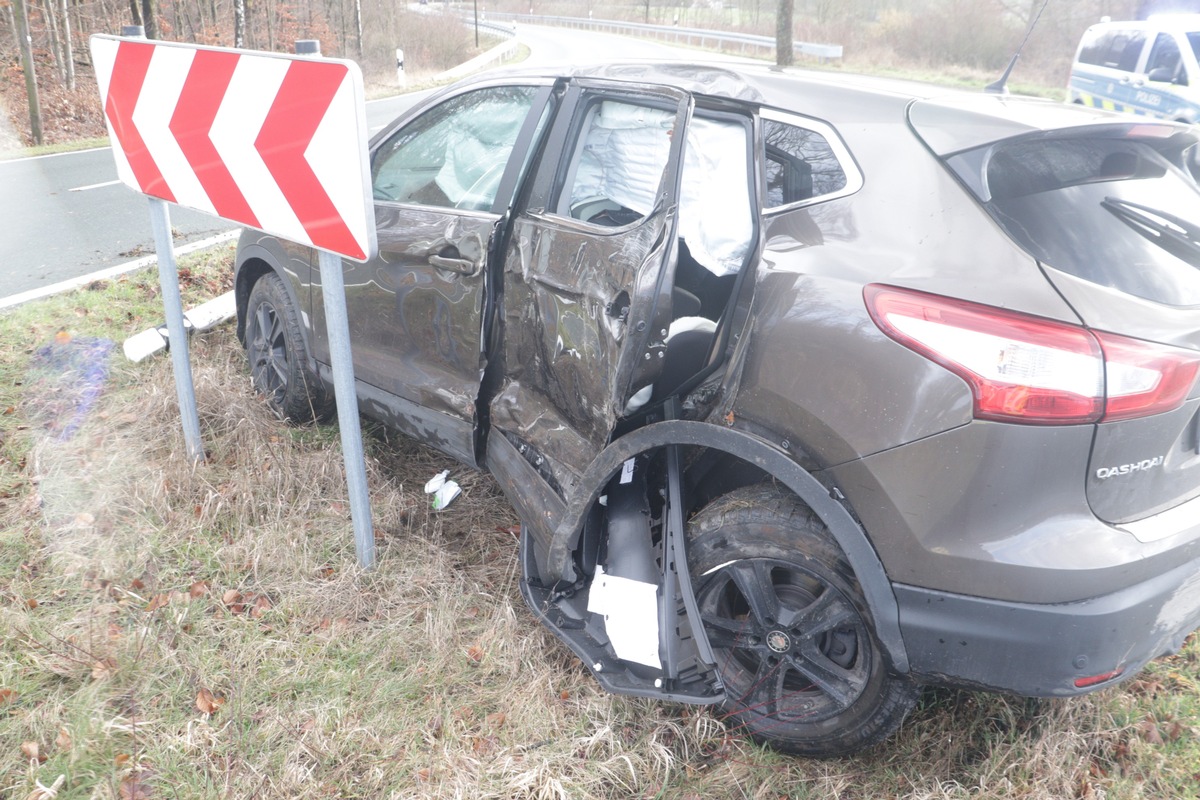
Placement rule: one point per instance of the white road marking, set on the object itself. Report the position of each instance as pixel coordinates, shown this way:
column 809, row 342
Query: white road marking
column 112, row 272
column 94, row 186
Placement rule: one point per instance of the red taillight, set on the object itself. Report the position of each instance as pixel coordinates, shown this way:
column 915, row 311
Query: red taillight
column 1033, row 370
column 1145, row 378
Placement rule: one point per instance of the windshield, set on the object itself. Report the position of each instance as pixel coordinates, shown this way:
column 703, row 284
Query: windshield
column 1194, row 41
column 1110, row 211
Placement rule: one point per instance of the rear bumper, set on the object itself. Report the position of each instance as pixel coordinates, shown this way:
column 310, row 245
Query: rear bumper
column 1042, row 650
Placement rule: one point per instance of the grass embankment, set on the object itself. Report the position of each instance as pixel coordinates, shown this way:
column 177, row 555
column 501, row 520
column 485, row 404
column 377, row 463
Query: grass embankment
column 173, row 631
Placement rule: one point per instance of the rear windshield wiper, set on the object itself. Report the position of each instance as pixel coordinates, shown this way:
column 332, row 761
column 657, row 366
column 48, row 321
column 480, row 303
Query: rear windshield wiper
column 1175, row 235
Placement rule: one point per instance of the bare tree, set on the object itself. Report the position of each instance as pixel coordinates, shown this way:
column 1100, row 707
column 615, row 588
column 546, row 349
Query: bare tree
column 150, row 18
column 784, row 55
column 239, row 23
column 25, row 43
column 68, row 53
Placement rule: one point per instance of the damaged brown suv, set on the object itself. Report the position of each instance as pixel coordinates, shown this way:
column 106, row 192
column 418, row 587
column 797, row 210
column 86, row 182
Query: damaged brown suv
column 807, row 389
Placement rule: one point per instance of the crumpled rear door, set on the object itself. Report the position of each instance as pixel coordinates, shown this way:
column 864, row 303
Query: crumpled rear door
column 587, row 276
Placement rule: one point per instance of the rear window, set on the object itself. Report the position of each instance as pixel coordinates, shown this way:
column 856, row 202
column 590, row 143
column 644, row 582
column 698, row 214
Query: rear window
column 1116, row 49
column 1110, row 211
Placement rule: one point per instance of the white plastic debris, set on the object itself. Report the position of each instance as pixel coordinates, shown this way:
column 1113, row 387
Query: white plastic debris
column 445, row 495
column 437, row 481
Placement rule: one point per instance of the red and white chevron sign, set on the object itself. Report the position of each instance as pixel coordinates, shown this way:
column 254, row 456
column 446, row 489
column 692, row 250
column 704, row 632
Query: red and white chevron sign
column 271, row 141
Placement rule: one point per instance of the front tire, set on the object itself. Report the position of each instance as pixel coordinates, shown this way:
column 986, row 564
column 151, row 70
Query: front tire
column 790, row 628
column 278, row 356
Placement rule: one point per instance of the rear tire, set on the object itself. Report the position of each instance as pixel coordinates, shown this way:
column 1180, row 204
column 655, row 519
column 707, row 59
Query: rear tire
column 790, row 628
column 278, row 356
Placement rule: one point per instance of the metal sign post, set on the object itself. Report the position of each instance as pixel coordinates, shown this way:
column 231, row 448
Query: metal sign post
column 337, row 325
column 181, row 365
column 275, row 142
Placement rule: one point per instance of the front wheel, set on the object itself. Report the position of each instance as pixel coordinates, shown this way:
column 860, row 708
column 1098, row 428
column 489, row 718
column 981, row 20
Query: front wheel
column 277, row 354
column 790, row 629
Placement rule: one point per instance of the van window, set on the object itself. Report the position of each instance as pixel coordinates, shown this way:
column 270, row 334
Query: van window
column 1165, row 55
column 1115, row 49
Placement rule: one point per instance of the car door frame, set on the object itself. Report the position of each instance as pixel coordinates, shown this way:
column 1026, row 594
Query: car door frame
column 436, row 415
column 517, row 451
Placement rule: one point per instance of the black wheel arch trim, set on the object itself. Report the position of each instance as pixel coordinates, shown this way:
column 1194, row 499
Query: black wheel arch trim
column 872, row 577
column 256, row 252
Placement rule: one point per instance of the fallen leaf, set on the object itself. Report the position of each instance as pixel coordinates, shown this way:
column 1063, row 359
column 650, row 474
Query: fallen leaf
column 7, row 696
column 472, row 612
column 63, row 742
column 32, row 751
column 475, row 653
column 121, row 760
column 308, row 725
column 103, row 669
column 564, row 695
column 261, row 605
column 512, row 530
column 435, row 727
column 135, row 787
column 84, row 520
column 198, row 589
column 326, row 572
column 62, row 337
column 496, row 719
column 207, row 702
column 1149, row 731
column 482, row 745
column 232, row 596
column 31, row 603
column 137, row 584
column 158, row 601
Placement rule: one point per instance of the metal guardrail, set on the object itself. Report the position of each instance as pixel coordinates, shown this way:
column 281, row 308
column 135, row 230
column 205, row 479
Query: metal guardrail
column 497, row 53
column 694, row 36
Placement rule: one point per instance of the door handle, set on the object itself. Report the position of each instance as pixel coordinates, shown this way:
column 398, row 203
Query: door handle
column 463, row 266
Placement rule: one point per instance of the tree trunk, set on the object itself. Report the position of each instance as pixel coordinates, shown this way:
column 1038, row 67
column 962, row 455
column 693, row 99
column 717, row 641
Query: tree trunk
column 239, row 23
column 51, row 16
column 135, row 12
column 150, row 18
column 358, row 43
column 783, row 34
column 269, row 8
column 68, row 49
column 26, row 45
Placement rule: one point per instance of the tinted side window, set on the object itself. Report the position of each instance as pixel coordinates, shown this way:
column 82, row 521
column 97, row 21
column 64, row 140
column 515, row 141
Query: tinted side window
column 800, row 164
column 1095, row 46
column 1126, row 47
column 454, row 155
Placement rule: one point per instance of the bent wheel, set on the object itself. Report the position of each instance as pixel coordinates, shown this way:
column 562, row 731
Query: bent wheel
column 790, row 629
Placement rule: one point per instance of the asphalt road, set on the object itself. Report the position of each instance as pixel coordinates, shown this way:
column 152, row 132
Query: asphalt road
column 64, row 216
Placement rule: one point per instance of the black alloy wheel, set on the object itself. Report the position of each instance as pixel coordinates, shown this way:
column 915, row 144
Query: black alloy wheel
column 790, row 629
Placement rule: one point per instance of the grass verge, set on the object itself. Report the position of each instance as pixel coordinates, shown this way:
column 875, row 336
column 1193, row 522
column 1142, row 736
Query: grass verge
column 202, row 632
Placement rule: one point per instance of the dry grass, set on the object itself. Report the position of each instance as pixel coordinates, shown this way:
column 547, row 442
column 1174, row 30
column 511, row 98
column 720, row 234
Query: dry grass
column 196, row 632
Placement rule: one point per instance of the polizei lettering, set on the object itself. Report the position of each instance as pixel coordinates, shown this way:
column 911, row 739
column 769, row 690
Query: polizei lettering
column 1129, row 469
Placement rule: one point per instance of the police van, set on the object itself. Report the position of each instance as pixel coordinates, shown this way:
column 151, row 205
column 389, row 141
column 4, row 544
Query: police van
column 1145, row 67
